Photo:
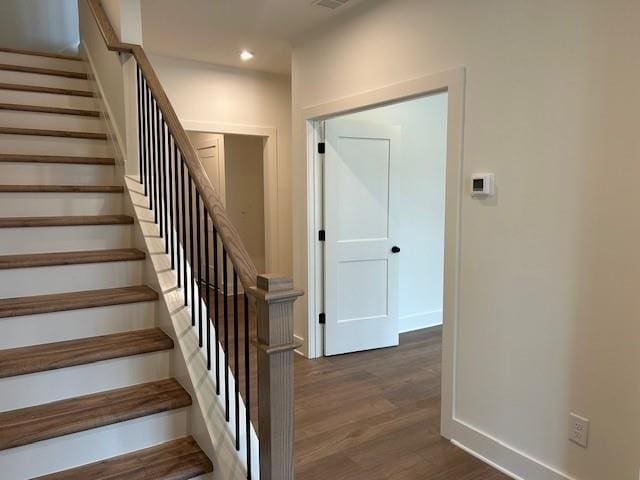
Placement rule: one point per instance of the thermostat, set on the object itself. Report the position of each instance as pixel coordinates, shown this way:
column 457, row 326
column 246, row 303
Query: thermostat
column 482, row 184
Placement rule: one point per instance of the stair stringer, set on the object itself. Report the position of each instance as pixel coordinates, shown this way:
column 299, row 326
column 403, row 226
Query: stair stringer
column 207, row 421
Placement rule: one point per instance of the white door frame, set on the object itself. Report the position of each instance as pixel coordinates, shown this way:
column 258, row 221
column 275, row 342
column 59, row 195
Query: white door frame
column 450, row 81
column 270, row 172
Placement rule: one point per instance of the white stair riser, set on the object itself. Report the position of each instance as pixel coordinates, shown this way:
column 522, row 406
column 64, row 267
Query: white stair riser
column 64, row 239
column 41, row 62
column 58, row 204
column 51, row 121
column 38, row 145
column 24, row 78
column 22, row 282
column 73, row 324
column 77, row 449
column 55, row 174
column 47, row 99
column 43, row 387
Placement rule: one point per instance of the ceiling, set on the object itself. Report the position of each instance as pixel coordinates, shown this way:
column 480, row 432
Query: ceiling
column 216, row 31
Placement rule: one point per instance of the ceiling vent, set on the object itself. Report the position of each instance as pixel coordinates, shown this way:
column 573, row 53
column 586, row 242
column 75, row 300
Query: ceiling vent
column 332, row 4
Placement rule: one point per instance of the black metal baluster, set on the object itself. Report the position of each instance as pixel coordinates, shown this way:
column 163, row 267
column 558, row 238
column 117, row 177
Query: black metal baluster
column 175, row 165
column 226, row 332
column 199, row 247
column 140, row 143
column 172, row 219
column 207, row 286
column 145, row 121
column 216, row 301
column 191, row 255
column 156, row 184
column 184, row 235
column 162, row 177
column 247, row 384
column 152, row 173
column 159, row 170
column 236, row 356
column 165, row 179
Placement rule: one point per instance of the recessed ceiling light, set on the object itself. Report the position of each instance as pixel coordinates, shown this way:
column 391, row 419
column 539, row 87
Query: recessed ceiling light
column 246, row 55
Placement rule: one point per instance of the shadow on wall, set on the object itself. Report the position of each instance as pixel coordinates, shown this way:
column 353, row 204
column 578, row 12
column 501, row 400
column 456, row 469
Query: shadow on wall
column 49, row 25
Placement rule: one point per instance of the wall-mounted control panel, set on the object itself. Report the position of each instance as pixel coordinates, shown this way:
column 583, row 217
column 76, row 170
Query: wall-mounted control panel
column 483, row 185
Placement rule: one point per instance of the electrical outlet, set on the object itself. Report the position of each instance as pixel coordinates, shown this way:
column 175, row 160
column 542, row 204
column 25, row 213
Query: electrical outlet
column 578, row 429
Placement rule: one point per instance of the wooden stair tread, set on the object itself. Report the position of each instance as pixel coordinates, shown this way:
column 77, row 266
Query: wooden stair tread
column 65, row 221
column 70, row 258
column 51, row 356
column 40, row 89
column 61, row 189
column 180, row 459
column 57, row 302
column 36, row 53
column 52, row 133
column 20, row 158
column 43, row 71
column 41, row 422
column 44, row 109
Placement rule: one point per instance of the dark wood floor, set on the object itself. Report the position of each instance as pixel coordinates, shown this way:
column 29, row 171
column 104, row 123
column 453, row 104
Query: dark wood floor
column 371, row 415
column 376, row 415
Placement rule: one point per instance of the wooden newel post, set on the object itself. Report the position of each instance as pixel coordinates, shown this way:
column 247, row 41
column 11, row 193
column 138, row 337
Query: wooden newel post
column 275, row 295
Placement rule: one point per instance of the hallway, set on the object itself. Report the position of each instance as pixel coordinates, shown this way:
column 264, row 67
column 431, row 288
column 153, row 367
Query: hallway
column 375, row 415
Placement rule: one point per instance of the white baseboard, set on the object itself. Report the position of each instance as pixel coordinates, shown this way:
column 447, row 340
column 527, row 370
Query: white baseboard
column 510, row 461
column 418, row 321
column 301, row 341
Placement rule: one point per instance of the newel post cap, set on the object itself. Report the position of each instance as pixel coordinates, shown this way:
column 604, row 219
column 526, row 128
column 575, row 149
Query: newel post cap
column 274, row 288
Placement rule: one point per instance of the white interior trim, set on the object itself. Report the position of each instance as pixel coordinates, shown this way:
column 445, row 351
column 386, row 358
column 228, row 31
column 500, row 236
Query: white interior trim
column 421, row 320
column 453, row 82
column 270, row 159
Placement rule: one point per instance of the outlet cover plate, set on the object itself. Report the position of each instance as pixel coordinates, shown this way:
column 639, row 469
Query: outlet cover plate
column 579, row 429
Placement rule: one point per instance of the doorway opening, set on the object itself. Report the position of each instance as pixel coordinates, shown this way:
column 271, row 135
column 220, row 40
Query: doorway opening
column 446, row 87
column 234, row 164
column 383, row 196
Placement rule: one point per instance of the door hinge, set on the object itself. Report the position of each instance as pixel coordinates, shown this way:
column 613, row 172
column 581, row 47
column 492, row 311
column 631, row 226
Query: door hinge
column 322, row 318
column 322, row 235
column 321, row 148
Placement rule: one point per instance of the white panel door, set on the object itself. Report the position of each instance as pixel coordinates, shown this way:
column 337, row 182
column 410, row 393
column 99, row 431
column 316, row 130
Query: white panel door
column 361, row 271
column 210, row 150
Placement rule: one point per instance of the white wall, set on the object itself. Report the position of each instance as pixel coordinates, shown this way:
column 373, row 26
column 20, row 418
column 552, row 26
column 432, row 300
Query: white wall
column 245, row 192
column 108, row 69
column 417, row 207
column 548, row 306
column 48, row 25
column 204, row 93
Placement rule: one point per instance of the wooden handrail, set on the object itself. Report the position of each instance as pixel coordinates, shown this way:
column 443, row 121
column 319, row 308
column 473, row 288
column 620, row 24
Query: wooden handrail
column 238, row 255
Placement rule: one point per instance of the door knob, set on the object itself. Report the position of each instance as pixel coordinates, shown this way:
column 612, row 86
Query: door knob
column 395, row 249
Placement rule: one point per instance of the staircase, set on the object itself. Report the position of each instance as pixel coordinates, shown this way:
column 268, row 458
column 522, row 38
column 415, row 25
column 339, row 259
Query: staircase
column 85, row 383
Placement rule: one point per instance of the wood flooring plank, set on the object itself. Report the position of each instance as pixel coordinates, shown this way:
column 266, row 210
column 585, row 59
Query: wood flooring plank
column 70, row 258
column 52, row 133
column 52, row 356
column 65, row 221
column 33, row 424
column 38, row 53
column 376, row 415
column 19, row 158
column 61, row 189
column 180, row 459
column 43, row 71
column 15, row 307
column 45, row 109
column 39, row 89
